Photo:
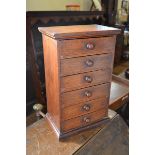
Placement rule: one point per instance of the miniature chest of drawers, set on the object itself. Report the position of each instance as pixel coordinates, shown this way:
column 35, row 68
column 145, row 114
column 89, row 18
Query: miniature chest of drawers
column 78, row 69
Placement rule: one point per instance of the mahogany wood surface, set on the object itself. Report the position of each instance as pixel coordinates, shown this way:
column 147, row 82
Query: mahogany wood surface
column 79, row 31
column 85, row 79
column 77, row 96
column 83, row 108
column 52, row 78
column 84, row 120
column 84, row 47
column 86, row 64
column 64, row 58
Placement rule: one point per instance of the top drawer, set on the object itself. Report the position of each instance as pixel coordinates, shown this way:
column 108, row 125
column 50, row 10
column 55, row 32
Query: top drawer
column 83, row 47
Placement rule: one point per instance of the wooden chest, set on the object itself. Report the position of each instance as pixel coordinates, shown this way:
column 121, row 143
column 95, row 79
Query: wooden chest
column 78, row 69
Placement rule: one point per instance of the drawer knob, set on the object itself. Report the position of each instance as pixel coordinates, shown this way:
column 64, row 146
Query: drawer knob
column 88, row 79
column 86, row 119
column 88, row 93
column 86, row 107
column 90, row 46
column 89, row 63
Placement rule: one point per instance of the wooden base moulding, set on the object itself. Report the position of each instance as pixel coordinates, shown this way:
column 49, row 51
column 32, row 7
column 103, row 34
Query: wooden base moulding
column 61, row 135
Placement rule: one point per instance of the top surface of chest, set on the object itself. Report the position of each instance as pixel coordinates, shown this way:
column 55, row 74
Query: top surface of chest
column 78, row 31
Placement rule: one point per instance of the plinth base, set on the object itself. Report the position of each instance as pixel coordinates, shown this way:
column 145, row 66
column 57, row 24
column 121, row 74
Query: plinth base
column 62, row 135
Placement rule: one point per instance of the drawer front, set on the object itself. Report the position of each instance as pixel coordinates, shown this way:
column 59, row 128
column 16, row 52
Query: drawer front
column 86, row 64
column 84, row 108
column 86, row 94
column 84, row 47
column 74, row 82
column 84, row 120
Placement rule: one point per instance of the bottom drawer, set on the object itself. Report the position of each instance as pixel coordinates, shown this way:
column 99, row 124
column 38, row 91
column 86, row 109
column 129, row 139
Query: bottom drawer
column 84, row 120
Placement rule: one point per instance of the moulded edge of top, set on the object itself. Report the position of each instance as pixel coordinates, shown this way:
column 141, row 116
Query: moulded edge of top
column 75, row 35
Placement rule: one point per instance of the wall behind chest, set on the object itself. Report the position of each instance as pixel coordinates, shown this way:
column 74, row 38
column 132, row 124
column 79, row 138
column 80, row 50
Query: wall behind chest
column 54, row 5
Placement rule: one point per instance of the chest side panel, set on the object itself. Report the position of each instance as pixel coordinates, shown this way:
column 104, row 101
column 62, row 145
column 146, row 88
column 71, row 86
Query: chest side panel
column 51, row 63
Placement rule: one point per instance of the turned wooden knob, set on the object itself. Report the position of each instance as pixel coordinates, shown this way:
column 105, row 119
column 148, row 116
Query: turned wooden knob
column 88, row 79
column 88, row 93
column 86, row 107
column 86, row 119
column 89, row 63
column 90, row 46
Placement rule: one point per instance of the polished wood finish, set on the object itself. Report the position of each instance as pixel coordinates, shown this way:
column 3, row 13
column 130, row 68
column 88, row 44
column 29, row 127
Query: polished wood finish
column 86, row 64
column 78, row 31
column 86, row 94
column 83, row 108
column 68, row 60
column 84, row 120
column 84, row 47
column 85, row 79
column 118, row 84
column 52, row 78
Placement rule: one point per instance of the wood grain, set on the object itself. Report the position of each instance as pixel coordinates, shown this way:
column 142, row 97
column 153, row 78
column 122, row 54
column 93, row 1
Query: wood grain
column 52, row 78
column 77, row 71
column 78, row 47
column 78, row 65
column 84, row 108
column 42, row 140
column 74, row 97
column 78, row 81
column 113, row 140
column 78, row 31
column 80, row 121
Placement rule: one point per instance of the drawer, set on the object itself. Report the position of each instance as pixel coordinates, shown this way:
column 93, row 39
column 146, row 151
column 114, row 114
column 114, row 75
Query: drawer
column 84, row 120
column 86, row 94
column 84, row 47
column 83, row 80
column 84, row 108
column 85, row 64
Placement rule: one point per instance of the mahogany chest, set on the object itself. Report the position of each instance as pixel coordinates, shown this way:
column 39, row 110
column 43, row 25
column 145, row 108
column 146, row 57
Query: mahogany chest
column 78, row 71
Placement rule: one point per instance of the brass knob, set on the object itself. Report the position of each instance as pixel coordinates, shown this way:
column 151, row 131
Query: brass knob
column 89, row 63
column 88, row 93
column 88, row 79
column 90, row 46
column 86, row 119
column 38, row 107
column 86, row 107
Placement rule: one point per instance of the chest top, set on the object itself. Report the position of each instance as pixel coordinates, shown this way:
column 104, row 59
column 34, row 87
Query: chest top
column 78, row 31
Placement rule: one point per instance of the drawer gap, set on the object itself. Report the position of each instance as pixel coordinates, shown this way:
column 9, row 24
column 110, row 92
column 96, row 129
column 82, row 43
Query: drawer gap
column 85, row 87
column 86, row 72
column 82, row 102
column 108, row 53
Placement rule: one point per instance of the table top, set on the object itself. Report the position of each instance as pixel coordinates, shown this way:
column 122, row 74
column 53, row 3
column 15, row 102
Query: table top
column 42, row 140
